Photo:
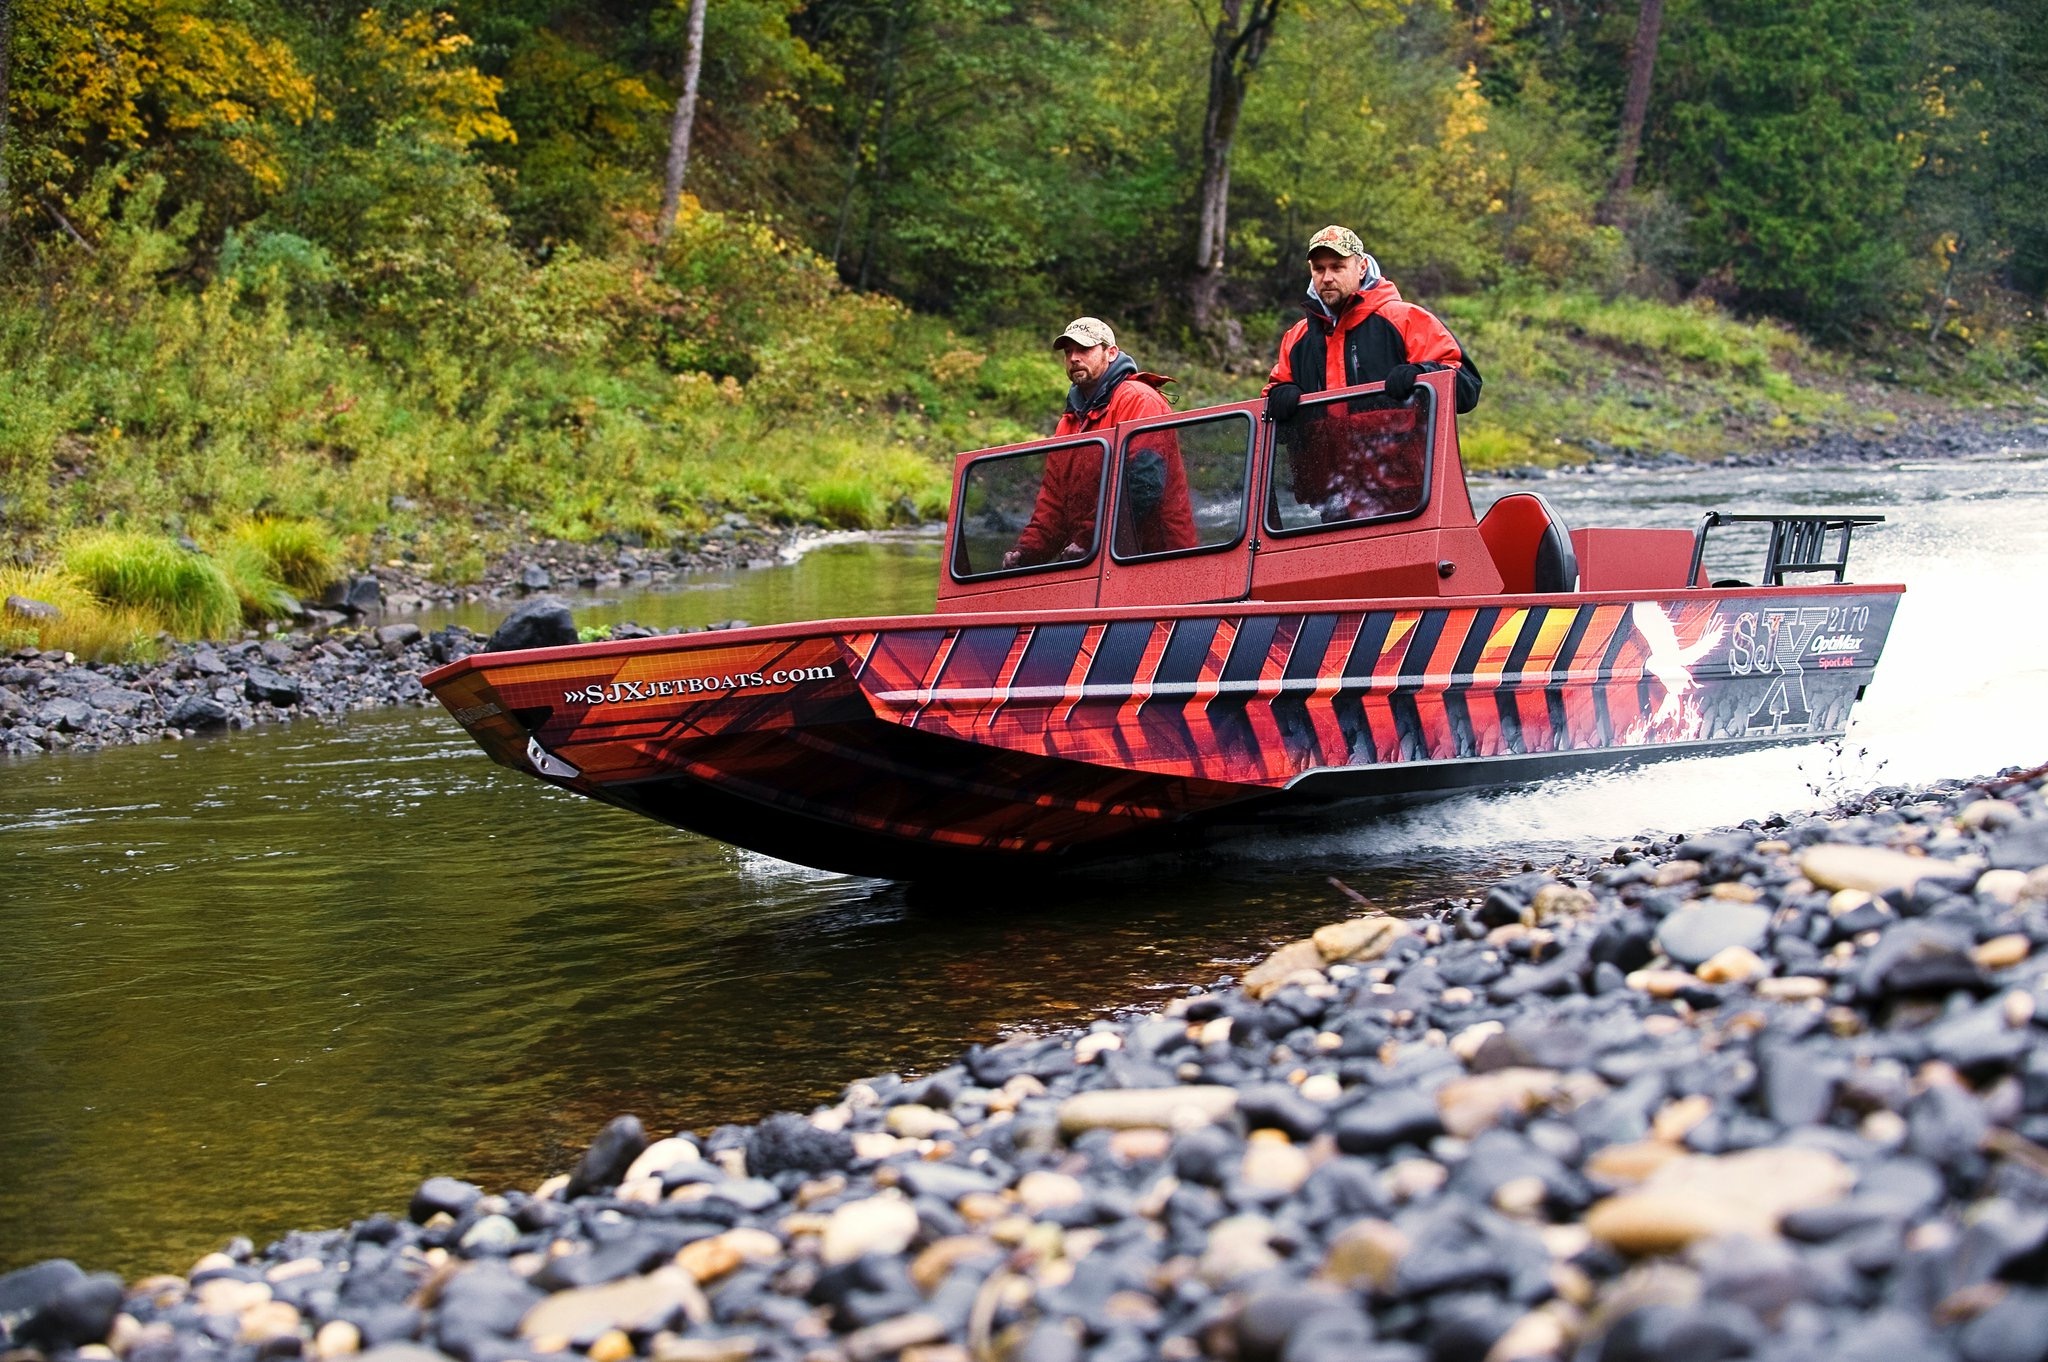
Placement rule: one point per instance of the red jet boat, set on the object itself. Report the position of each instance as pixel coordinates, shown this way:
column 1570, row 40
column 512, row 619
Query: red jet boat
column 1337, row 629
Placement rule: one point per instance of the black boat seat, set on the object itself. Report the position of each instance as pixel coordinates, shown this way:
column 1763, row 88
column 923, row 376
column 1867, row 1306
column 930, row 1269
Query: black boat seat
column 1530, row 546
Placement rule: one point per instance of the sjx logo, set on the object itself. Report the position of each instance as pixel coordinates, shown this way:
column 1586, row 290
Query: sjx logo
column 1772, row 642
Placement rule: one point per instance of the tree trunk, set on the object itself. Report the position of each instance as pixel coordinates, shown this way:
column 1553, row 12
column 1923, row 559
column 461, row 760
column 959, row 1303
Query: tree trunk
column 1635, row 106
column 680, row 126
column 880, row 182
column 1236, row 42
column 6, row 52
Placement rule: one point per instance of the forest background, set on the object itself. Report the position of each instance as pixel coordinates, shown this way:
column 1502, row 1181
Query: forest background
column 411, row 272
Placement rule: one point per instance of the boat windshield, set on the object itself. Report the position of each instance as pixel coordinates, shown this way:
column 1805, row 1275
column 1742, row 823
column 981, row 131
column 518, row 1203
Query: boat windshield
column 1182, row 486
column 1034, row 508
column 1343, row 460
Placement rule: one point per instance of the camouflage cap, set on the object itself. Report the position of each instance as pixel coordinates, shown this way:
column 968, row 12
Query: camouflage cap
column 1342, row 240
column 1086, row 332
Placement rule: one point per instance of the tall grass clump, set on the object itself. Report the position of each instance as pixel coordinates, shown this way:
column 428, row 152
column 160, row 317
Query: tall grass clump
column 187, row 592
column 300, row 554
column 84, row 625
column 259, row 591
column 847, row 503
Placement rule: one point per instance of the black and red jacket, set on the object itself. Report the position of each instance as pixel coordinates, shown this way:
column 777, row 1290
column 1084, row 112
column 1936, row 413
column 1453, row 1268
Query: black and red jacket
column 1372, row 333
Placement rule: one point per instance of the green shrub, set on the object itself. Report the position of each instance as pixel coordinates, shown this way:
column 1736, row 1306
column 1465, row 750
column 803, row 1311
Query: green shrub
column 263, row 595
column 848, row 504
column 84, row 625
column 186, row 592
column 299, row 554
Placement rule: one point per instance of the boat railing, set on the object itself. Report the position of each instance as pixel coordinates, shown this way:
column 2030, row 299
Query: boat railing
column 1798, row 543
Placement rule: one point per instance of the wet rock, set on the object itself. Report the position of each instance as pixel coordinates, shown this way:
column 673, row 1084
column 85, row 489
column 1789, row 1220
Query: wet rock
column 1695, row 934
column 77, row 1312
column 870, row 1225
column 1919, row 957
column 359, row 595
column 609, row 1155
column 543, row 622
column 28, row 1289
column 65, row 715
column 200, row 712
column 1120, row 1109
column 2023, row 847
column 1874, row 870
column 1386, row 1119
column 450, row 1196
column 262, row 685
column 788, row 1143
column 1699, row 1197
column 637, row 1305
column 2014, row 1329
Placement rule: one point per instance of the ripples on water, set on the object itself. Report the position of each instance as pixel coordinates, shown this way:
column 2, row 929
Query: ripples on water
column 273, row 981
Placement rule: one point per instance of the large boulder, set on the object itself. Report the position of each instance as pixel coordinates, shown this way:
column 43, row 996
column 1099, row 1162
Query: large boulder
column 543, row 622
column 198, row 711
column 263, row 684
column 359, row 595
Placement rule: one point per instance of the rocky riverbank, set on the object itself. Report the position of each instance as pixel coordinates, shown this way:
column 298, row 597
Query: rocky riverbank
column 1948, row 434
column 1774, row 1092
column 50, row 701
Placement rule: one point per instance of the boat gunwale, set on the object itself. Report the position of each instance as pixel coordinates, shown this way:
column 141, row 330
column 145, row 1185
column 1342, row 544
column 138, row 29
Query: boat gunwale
column 867, row 624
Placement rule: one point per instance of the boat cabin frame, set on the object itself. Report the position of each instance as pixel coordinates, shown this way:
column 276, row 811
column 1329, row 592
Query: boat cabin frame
column 1355, row 497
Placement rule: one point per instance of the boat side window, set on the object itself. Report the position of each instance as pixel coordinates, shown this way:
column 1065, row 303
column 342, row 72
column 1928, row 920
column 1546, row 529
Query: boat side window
column 1033, row 509
column 1182, row 487
column 1343, row 460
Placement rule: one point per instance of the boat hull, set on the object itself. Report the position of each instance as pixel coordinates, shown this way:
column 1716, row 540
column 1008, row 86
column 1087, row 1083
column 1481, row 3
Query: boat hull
column 928, row 746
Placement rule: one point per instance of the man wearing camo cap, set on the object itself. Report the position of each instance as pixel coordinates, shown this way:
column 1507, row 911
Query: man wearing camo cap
column 1358, row 330
column 1107, row 388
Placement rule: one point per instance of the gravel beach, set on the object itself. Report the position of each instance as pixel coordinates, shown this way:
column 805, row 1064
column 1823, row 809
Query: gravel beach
column 1769, row 1092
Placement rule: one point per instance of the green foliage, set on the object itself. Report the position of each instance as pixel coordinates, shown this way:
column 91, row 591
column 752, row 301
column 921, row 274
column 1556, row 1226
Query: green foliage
column 298, row 554
column 389, row 270
column 847, row 504
column 187, row 591
column 1781, row 134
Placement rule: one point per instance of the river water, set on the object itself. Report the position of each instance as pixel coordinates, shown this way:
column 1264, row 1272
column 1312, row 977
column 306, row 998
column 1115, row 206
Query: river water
column 271, row 981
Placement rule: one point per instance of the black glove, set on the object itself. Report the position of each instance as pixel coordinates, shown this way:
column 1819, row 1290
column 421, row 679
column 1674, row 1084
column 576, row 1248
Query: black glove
column 1281, row 400
column 1401, row 381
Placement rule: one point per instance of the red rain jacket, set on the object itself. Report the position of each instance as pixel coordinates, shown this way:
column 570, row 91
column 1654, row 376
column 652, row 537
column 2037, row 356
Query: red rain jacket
column 1065, row 510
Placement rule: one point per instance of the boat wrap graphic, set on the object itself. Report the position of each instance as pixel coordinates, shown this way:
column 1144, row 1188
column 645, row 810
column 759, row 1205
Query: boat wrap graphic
column 1028, row 736
column 1263, row 699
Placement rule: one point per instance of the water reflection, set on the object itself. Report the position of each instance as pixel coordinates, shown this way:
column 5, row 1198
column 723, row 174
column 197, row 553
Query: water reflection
column 273, row 981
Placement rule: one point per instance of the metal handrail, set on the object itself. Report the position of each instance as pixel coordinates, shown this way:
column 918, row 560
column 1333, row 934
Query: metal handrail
column 1799, row 543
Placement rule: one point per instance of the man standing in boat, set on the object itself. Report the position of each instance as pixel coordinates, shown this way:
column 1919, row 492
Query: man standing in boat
column 1107, row 388
column 1358, row 330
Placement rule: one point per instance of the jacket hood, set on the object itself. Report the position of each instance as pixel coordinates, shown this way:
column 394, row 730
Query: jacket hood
column 1081, row 401
column 1374, row 292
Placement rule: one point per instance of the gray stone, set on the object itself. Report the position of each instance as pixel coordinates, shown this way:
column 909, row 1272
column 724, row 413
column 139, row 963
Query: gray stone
column 28, row 1289
column 2015, row 1329
column 80, row 1312
column 1698, row 932
column 65, row 715
column 437, row 1195
column 42, row 612
column 359, row 595
column 609, row 1155
column 263, row 685
column 198, row 712
column 534, row 577
column 543, row 622
column 1404, row 1116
